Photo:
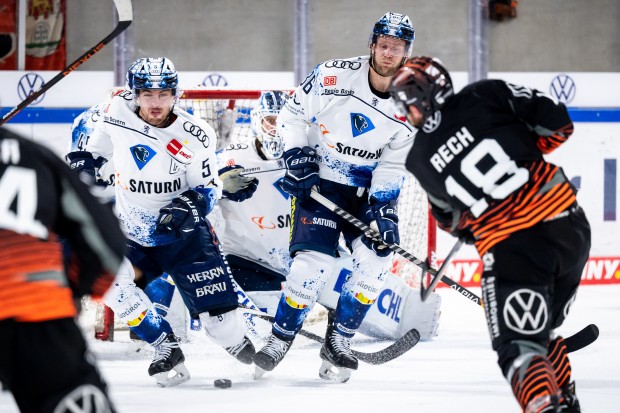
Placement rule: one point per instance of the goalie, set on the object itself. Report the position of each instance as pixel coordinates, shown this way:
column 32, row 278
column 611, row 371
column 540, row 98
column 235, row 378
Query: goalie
column 254, row 235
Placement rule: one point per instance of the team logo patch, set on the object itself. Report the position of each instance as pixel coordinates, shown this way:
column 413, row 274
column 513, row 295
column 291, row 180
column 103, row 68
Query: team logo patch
column 179, row 152
column 525, row 312
column 142, row 154
column 360, row 124
column 276, row 184
column 432, row 122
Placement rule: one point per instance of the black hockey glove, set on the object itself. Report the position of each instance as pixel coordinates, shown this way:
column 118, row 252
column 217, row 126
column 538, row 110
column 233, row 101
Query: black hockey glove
column 302, row 172
column 83, row 162
column 382, row 217
column 465, row 235
column 184, row 214
column 237, row 188
column 448, row 221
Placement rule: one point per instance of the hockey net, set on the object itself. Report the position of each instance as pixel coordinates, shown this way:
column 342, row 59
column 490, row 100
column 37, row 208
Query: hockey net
column 218, row 106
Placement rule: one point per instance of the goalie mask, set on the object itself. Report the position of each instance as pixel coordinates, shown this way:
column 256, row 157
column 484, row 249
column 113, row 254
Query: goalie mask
column 424, row 83
column 395, row 25
column 263, row 122
column 152, row 73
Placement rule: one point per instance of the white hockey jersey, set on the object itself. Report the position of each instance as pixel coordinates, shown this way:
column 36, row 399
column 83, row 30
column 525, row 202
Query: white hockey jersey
column 153, row 165
column 256, row 229
column 360, row 139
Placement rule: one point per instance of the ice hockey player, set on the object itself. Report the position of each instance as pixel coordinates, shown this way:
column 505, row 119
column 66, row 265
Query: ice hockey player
column 359, row 165
column 44, row 361
column 166, row 183
column 160, row 290
column 254, row 234
column 480, row 156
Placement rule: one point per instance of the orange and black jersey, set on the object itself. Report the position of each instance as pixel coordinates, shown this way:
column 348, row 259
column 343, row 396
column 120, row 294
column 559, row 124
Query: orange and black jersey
column 481, row 160
column 41, row 198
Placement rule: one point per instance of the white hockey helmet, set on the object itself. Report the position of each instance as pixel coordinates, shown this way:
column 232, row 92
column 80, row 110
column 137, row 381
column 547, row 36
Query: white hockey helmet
column 262, row 120
column 395, row 25
column 152, row 73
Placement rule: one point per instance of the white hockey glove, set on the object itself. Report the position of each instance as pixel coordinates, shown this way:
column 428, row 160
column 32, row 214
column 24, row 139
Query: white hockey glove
column 237, row 187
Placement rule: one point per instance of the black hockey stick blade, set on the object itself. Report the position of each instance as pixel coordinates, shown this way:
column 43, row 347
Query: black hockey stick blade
column 426, row 291
column 582, row 338
column 394, row 247
column 394, row 350
column 125, row 17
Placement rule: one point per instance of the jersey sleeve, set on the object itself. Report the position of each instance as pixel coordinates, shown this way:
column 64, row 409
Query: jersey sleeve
column 389, row 175
column 300, row 110
column 546, row 117
column 96, row 242
column 100, row 142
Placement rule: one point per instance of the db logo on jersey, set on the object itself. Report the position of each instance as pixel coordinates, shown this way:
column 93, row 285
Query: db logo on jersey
column 329, row 81
column 179, row 152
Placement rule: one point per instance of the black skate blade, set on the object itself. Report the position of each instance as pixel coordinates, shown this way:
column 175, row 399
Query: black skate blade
column 582, row 338
column 181, row 375
column 328, row 371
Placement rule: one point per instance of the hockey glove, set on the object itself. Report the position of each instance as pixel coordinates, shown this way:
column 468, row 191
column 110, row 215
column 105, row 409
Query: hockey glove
column 184, row 214
column 302, row 172
column 381, row 216
column 83, row 163
column 449, row 221
column 465, row 235
column 237, row 188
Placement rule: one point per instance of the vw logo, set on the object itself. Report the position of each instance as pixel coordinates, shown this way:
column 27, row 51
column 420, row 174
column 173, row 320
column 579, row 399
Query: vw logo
column 28, row 84
column 525, row 311
column 563, row 88
column 214, row 79
column 432, row 122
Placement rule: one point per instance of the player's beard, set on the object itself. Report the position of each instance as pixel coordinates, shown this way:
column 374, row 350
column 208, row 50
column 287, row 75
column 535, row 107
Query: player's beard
column 155, row 119
column 385, row 70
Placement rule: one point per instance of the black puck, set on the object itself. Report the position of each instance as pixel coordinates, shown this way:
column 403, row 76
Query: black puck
column 222, row 383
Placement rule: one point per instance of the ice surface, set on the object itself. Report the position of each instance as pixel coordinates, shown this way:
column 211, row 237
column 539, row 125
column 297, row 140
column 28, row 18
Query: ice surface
column 455, row 372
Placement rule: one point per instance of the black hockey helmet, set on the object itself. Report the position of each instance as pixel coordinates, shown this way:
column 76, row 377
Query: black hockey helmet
column 422, row 82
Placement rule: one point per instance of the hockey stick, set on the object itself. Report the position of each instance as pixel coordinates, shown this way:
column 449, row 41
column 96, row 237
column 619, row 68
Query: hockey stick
column 394, row 247
column 394, row 350
column 125, row 16
column 582, row 338
column 426, row 291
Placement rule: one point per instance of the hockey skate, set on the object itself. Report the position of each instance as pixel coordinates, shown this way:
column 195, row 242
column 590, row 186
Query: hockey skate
column 244, row 351
column 270, row 356
column 338, row 361
column 569, row 401
column 169, row 357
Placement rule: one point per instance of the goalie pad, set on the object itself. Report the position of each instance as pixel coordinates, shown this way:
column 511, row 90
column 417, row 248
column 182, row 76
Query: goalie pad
column 398, row 307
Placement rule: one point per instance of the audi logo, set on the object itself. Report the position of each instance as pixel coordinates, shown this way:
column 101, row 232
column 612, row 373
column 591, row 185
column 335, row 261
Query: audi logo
column 343, row 64
column 236, row 146
column 197, row 132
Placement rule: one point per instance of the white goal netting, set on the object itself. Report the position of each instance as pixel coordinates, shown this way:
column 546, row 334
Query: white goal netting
column 224, row 107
